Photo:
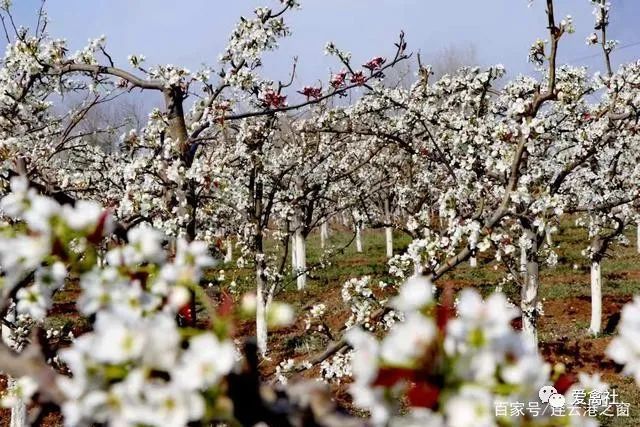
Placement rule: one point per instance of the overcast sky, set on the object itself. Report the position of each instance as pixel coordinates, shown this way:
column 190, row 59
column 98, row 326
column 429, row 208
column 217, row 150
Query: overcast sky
column 190, row 32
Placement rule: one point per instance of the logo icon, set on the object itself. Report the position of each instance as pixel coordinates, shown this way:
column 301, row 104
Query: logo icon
column 550, row 395
column 546, row 392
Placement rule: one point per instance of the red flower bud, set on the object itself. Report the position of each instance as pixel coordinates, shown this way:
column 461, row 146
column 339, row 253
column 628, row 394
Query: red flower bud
column 311, row 92
column 273, row 99
column 358, row 78
column 337, row 80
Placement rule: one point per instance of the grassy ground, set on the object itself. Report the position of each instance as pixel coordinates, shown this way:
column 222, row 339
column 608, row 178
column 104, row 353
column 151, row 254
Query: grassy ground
column 565, row 291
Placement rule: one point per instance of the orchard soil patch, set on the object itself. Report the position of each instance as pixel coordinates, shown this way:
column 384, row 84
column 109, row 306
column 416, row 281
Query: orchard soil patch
column 565, row 322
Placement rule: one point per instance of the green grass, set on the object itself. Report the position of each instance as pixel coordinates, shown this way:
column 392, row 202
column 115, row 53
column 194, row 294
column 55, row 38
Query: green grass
column 344, row 263
column 568, row 279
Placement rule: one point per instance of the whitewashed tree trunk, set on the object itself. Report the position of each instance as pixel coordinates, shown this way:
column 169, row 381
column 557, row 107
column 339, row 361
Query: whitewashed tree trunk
column 529, row 293
column 228, row 257
column 299, row 251
column 596, row 298
column 301, row 259
column 388, row 230
column 261, row 311
column 638, row 238
column 270, row 295
column 548, row 236
column 523, row 258
column 294, row 253
column 19, row 410
column 358, row 238
column 473, row 261
column 388, row 233
column 324, row 234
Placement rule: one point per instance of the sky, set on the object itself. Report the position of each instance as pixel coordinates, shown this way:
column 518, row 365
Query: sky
column 192, row 32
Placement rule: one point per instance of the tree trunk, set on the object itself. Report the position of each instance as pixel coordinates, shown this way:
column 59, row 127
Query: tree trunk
column 473, row 260
column 388, row 230
column 261, row 309
column 229, row 255
column 294, row 253
column 256, row 215
column 523, row 257
column 261, row 297
column 173, row 98
column 638, row 237
column 301, row 258
column 18, row 411
column 358, row 238
column 548, row 237
column 177, row 127
column 324, row 234
column 173, row 245
column 596, row 298
column 529, row 292
column 192, row 225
